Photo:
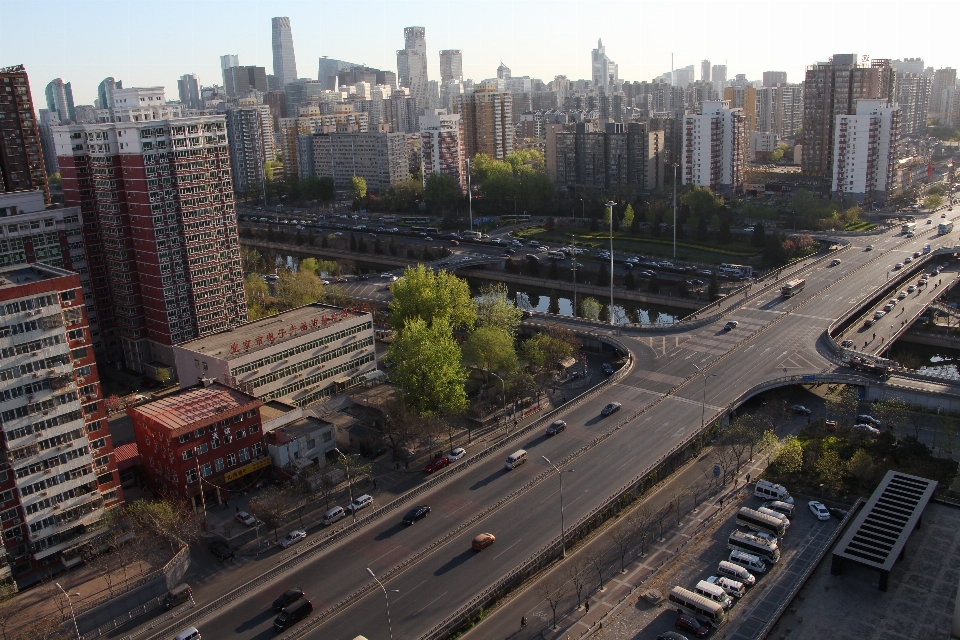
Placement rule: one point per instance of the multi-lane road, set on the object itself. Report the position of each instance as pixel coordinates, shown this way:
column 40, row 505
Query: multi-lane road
column 450, row 574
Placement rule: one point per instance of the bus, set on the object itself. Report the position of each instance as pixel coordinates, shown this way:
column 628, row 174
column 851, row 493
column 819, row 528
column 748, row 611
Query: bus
column 792, row 288
column 736, row 271
column 700, row 607
column 766, row 550
column 415, row 220
column 756, row 521
column 518, row 219
column 430, row 231
column 945, row 227
column 471, row 235
column 909, row 227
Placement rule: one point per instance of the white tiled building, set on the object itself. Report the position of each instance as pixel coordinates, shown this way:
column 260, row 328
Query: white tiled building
column 865, row 151
column 713, row 148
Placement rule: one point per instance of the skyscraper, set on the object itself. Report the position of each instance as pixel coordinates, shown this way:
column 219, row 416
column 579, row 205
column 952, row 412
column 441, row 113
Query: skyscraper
column 189, row 88
column 773, row 78
column 250, row 134
column 105, row 92
column 451, row 66
column 705, row 71
column 943, row 80
column 21, row 161
column 487, row 117
column 239, row 80
column 605, row 72
column 503, row 72
column 412, row 64
column 60, row 99
column 284, row 62
column 913, row 96
column 714, row 144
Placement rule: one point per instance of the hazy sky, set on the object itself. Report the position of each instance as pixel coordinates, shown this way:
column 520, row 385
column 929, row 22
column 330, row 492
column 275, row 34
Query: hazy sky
column 150, row 42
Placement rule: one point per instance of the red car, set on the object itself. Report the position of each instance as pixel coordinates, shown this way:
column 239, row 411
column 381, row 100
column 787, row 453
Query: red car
column 437, row 464
column 688, row 623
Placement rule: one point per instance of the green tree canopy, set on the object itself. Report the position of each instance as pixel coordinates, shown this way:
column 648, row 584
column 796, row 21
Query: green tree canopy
column 790, row 456
column 297, row 289
column 421, row 293
column 428, row 367
column 590, row 309
column 495, row 309
column 441, row 189
column 701, row 201
column 491, row 349
column 358, row 186
column 628, row 216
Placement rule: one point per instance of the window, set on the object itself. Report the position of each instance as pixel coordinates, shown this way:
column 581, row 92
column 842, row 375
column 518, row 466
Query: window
column 199, row 432
column 201, row 449
column 257, row 450
column 187, row 454
column 240, row 433
column 191, row 475
column 218, row 464
column 231, row 460
column 205, row 470
column 184, row 437
column 244, row 454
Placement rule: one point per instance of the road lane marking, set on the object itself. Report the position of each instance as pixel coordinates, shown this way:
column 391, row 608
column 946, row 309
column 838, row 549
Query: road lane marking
column 429, row 603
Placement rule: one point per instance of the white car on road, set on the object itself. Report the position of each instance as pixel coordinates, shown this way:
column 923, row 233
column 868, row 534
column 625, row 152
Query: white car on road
column 819, row 510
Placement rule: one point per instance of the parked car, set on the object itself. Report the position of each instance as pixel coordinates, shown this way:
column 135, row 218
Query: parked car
column 839, row 514
column 456, row 454
column 287, row 597
column 220, row 549
column 865, row 418
column 293, row 538
column 556, row 427
column 819, row 510
column 866, row 428
column 437, row 464
column 687, row 622
column 802, row 410
column 611, row 408
column 245, row 518
column 417, row 513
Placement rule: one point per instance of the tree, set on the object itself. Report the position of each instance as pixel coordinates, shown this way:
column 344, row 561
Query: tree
column 270, row 506
column 553, row 593
column 932, row 202
column 640, row 519
column 701, row 201
column 432, row 297
column 495, row 309
column 429, row 370
column 843, row 404
column 358, row 187
column 861, row 467
column 829, row 467
column 353, row 242
column 298, row 289
column 893, row 413
column 603, row 276
column 112, row 403
column 441, row 189
column 491, row 349
column 590, row 309
column 622, row 537
column 713, row 289
column 171, row 520
column 790, row 456
column 554, row 305
column 604, row 313
column 723, row 234
column 759, row 235
column 629, row 281
column 775, row 254
column 596, row 558
column 252, row 260
column 628, row 217
column 392, row 247
column 576, row 578
column 701, row 233
column 769, row 445
column 362, row 245
column 653, row 284
column 738, row 437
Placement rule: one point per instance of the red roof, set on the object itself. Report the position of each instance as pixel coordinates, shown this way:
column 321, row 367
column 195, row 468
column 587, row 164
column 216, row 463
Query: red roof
column 126, row 456
column 194, row 407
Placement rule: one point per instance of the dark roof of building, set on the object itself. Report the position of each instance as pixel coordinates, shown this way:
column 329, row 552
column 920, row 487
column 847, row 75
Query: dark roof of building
column 195, row 407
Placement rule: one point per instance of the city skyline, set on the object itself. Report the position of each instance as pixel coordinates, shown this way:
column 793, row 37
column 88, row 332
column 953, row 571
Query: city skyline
column 246, row 30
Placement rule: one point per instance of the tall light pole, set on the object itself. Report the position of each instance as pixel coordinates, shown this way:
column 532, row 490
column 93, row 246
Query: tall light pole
column 610, row 209
column 583, row 211
column 72, row 613
column 346, row 464
column 563, row 544
column 386, row 597
column 703, row 399
column 503, row 388
column 574, row 314
column 675, row 167
column 469, row 196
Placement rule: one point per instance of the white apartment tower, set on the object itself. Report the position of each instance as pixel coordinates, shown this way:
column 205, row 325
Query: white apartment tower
column 412, row 64
column 441, row 146
column 865, row 151
column 713, row 148
column 251, row 142
column 284, row 62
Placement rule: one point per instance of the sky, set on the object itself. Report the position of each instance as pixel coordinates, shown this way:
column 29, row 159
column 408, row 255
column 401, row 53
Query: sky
column 152, row 42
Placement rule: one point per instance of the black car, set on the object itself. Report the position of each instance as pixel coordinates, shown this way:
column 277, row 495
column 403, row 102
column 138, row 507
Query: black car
column 221, row 550
column 839, row 514
column 556, row 427
column 611, row 408
column 288, row 596
column 607, row 368
column 867, row 419
column 417, row 513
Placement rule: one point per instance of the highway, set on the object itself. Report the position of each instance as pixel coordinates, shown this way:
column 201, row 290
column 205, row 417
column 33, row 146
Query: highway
column 447, row 576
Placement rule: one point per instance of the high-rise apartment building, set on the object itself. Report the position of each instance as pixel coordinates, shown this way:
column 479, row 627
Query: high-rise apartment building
column 404, row 112
column 277, row 101
column 791, row 118
column 605, row 72
column 59, row 96
column 284, row 61
column 683, row 76
column 441, row 146
column 451, row 66
column 773, row 78
column 831, row 89
column 908, row 65
column 250, row 138
column 620, row 159
column 412, row 64
column 86, row 113
column 913, row 96
column 48, row 119
column 189, row 88
column 943, row 80
column 865, row 151
column 769, row 110
column 239, row 80
column 343, row 120
column 61, row 477
column 719, row 74
column 704, row 71
column 745, row 98
column 105, row 92
column 378, row 158
column 714, row 146
column 21, row 158
column 156, row 195
column 487, row 117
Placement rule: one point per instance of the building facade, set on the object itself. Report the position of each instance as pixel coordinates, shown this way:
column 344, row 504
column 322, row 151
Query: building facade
column 59, row 96
column 378, row 158
column 59, row 476
column 300, row 356
column 284, row 60
column 412, row 63
column 105, row 92
column 774, row 78
column 188, row 87
column 345, row 120
column 451, row 66
column 200, row 444
column 250, row 138
column 913, row 96
column 156, row 196
column 441, row 147
column 21, row 157
column 714, row 148
column 865, row 151
column 621, row 159
column 487, row 116
column 239, row 80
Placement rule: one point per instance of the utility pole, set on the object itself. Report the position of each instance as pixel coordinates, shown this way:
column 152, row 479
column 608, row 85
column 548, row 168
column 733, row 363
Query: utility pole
column 469, row 196
column 610, row 209
column 675, row 166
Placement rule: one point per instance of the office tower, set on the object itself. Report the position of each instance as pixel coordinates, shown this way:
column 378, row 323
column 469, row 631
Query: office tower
column 741, row 97
column 705, row 71
column 865, row 151
column 229, row 60
column 433, row 95
column 239, row 80
column 949, row 115
column 277, row 101
column 913, row 96
column 21, row 158
column 412, row 64
column 62, row 477
column 300, row 92
column 60, row 99
column 448, row 95
column 830, row 89
column 719, row 74
column 161, row 232
column 943, row 80
column 683, row 76
column 189, row 89
column 503, row 72
column 441, row 146
column 605, row 73
column 714, row 148
column 105, row 92
column 791, row 118
column 619, row 159
column 284, row 62
column 48, row 119
column 487, row 117
column 451, row 66
column 773, row 78
column 250, row 138
column 378, row 158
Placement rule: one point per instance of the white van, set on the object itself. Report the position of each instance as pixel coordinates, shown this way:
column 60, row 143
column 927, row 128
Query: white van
column 776, row 514
column 556, row 255
column 516, row 459
column 785, row 508
column 748, row 561
column 362, row 502
column 733, row 588
column 736, row 572
column 191, row 633
column 770, row 491
column 715, row 593
column 333, row 515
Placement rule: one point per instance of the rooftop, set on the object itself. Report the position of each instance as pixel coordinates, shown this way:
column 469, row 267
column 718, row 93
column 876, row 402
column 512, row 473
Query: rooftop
column 267, row 332
column 19, row 275
column 194, row 407
column 302, row 427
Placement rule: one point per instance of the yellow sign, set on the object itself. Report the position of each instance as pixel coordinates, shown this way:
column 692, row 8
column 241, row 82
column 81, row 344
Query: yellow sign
column 230, row 476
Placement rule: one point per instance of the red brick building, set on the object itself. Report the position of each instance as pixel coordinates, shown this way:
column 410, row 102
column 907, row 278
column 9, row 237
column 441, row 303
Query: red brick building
column 209, row 435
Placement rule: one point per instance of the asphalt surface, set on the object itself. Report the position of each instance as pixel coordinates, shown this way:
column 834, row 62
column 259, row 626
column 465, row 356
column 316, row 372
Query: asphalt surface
column 451, row 574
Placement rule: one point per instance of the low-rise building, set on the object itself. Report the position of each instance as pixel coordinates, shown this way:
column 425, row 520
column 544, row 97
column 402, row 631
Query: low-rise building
column 299, row 356
column 204, row 440
column 301, row 441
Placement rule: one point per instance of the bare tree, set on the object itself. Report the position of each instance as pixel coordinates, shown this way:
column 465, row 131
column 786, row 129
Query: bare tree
column 553, row 593
column 596, row 560
column 737, row 437
column 678, row 495
column 621, row 536
column 660, row 517
column 640, row 520
column 270, row 507
column 577, row 579
column 723, row 458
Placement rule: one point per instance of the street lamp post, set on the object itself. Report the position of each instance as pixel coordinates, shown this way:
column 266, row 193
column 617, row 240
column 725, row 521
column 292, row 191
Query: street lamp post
column 675, row 167
column 386, row 597
column 563, row 545
column 703, row 399
column 346, row 464
column 610, row 209
column 574, row 314
column 72, row 613
column 503, row 389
